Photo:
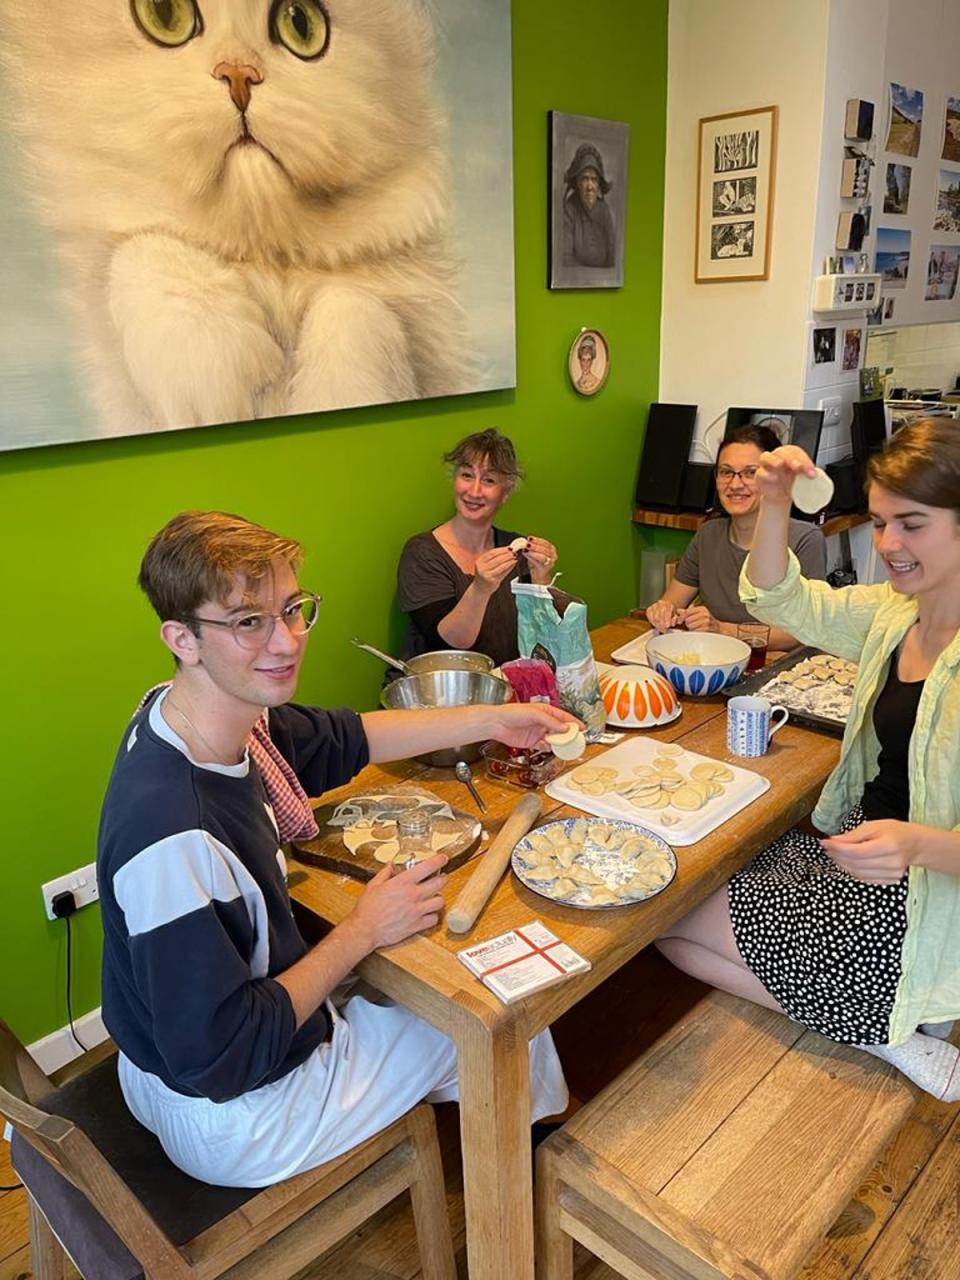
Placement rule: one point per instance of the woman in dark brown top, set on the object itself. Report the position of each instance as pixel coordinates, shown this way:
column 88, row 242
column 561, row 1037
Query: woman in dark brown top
column 711, row 564
column 454, row 580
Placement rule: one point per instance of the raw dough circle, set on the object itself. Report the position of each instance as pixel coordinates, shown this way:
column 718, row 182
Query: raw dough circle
column 812, row 493
column 569, row 744
column 519, row 544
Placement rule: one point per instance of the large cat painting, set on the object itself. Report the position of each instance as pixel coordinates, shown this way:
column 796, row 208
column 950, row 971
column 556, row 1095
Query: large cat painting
column 254, row 208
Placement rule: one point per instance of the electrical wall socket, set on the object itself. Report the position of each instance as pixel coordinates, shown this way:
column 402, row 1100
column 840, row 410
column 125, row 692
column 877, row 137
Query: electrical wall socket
column 831, row 406
column 82, row 884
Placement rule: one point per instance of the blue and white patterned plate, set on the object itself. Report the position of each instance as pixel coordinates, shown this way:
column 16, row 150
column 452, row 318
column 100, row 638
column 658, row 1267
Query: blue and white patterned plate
column 609, row 865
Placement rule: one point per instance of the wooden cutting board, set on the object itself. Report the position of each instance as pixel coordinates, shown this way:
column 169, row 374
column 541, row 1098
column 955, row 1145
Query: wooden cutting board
column 329, row 851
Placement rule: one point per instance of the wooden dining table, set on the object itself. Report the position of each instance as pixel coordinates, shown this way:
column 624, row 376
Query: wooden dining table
column 425, row 975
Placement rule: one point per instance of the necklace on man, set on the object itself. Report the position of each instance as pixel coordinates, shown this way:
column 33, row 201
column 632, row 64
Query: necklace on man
column 217, row 758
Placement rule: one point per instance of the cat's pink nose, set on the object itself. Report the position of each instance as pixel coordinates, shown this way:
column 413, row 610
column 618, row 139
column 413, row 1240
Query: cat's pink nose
column 241, row 81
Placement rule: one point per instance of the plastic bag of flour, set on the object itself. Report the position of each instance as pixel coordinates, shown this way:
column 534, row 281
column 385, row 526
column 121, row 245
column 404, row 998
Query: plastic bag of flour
column 552, row 625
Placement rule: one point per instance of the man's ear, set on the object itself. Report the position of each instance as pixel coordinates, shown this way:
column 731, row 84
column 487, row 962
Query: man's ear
column 181, row 642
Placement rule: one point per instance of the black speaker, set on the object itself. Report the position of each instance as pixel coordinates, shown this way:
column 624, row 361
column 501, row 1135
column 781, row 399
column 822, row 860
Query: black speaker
column 666, row 447
column 868, row 434
column 696, row 492
column 845, row 475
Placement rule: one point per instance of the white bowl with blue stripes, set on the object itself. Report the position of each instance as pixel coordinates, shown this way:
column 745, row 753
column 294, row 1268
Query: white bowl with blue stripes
column 720, row 660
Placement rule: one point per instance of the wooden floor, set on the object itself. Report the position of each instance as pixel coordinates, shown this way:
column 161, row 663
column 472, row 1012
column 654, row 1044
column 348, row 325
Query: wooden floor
column 903, row 1224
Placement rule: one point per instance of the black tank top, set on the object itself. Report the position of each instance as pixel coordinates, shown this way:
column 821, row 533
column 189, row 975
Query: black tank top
column 894, row 714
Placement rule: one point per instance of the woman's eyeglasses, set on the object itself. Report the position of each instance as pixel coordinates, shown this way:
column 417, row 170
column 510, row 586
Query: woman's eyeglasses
column 727, row 475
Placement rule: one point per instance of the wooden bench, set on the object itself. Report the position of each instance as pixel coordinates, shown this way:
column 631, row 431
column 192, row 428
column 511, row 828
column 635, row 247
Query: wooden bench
column 727, row 1150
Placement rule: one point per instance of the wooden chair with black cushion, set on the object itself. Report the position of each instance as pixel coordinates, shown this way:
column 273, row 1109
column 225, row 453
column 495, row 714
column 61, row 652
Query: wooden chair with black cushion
column 101, row 1190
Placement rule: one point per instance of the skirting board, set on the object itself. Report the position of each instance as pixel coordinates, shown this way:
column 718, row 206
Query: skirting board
column 59, row 1047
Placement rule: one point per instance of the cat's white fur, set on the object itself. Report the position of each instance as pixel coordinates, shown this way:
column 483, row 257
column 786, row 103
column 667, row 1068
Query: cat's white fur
column 214, row 283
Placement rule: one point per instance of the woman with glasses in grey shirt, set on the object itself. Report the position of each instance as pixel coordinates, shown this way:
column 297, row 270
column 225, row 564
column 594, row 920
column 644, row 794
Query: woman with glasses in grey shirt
column 711, row 565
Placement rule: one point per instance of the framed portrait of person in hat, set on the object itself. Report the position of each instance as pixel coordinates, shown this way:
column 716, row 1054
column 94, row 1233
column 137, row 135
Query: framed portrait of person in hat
column 588, row 201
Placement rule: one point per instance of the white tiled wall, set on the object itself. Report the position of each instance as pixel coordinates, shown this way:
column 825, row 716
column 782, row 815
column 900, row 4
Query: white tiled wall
column 922, row 356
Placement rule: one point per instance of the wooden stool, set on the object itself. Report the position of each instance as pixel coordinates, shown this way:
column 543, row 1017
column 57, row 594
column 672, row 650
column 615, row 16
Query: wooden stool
column 725, row 1152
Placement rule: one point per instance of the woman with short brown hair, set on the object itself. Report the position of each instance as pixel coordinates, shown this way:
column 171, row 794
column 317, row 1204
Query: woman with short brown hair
column 454, row 581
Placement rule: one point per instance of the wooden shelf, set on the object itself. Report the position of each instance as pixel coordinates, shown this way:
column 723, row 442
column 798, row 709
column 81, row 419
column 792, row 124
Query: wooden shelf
column 691, row 521
column 840, row 524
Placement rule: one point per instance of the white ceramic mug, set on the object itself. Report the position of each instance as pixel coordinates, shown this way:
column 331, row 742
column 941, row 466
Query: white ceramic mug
column 751, row 723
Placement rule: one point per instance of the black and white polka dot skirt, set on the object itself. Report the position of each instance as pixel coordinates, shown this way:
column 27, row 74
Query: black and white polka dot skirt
column 826, row 946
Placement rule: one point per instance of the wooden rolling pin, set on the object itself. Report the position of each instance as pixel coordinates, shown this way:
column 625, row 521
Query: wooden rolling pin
column 474, row 895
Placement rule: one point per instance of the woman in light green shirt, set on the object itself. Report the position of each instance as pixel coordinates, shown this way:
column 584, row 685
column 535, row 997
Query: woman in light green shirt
column 857, row 935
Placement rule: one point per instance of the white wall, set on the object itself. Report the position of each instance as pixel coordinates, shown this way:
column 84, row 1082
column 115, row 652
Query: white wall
column 923, row 52
column 742, row 343
column 856, row 54
column 921, row 355
column 871, row 43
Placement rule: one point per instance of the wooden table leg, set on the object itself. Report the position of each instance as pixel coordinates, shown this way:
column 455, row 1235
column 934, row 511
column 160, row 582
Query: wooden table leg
column 494, row 1067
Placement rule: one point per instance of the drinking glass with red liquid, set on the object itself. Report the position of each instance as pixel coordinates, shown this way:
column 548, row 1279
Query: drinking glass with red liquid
column 757, row 636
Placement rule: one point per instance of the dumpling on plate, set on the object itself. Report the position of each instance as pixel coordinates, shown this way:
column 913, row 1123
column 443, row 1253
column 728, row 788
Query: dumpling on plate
column 547, row 871
column 583, row 875
column 603, row 897
column 564, row 888
column 567, row 854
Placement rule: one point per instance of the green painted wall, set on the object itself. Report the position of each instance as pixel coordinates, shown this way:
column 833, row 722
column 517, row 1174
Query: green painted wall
column 82, row 644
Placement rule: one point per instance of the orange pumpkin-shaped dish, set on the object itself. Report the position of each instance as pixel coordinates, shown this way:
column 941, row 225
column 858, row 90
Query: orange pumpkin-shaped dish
column 636, row 697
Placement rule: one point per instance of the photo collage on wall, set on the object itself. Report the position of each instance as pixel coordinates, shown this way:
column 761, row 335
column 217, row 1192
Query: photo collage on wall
column 943, row 265
column 902, row 198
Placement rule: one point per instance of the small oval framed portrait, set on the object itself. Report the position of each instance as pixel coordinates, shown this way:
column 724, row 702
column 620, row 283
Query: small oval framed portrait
column 588, row 362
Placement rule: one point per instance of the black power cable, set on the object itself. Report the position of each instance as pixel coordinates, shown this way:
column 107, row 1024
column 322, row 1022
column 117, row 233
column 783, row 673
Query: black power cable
column 63, row 905
column 73, row 1030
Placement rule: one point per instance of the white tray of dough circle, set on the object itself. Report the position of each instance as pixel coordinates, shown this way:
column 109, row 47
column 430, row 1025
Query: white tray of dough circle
column 676, row 825
column 634, row 650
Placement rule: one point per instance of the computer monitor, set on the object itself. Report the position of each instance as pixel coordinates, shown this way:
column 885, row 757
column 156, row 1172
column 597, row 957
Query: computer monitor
column 794, row 426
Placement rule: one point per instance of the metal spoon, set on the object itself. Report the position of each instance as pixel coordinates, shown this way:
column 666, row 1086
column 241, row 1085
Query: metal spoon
column 462, row 770
column 397, row 663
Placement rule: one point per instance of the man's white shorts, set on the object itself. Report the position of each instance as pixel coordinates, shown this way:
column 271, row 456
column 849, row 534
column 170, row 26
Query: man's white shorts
column 380, row 1062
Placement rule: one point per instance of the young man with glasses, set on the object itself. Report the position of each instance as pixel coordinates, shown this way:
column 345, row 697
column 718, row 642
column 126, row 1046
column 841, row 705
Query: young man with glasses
column 231, row 1050
column 710, row 567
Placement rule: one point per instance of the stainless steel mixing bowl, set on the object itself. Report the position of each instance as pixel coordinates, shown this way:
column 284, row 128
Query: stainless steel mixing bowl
column 450, row 660
column 446, row 689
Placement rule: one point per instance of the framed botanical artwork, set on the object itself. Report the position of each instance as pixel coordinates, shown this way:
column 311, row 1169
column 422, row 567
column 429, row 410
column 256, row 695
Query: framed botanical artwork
column 588, row 361
column 738, row 155
column 588, row 201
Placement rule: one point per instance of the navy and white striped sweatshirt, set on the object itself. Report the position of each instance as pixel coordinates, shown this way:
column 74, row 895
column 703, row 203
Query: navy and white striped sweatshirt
column 196, row 914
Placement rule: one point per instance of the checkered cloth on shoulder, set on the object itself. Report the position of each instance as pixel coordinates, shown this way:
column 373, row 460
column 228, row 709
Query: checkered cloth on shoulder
column 291, row 808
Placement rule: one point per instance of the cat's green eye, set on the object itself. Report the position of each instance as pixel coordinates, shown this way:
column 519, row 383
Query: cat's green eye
column 168, row 22
column 301, row 25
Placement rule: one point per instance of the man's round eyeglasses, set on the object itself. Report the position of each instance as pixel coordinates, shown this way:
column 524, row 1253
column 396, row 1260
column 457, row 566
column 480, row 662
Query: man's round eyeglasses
column 253, row 630
column 727, row 475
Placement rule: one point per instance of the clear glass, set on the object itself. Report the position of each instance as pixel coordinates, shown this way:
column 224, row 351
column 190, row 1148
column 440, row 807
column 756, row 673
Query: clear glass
column 414, row 831
column 253, row 630
column 757, row 636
